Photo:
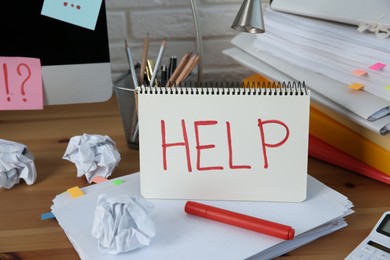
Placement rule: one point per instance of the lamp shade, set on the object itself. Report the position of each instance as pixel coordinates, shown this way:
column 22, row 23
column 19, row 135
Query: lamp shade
column 250, row 17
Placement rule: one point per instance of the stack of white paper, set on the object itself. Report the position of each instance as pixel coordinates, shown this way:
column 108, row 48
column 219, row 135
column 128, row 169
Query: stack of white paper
column 346, row 11
column 323, row 54
column 183, row 236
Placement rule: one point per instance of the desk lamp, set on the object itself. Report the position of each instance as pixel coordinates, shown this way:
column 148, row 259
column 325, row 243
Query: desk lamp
column 199, row 43
column 250, row 17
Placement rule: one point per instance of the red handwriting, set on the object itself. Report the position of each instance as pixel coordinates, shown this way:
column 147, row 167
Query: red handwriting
column 200, row 147
column 6, row 81
column 23, row 84
column 229, row 139
column 22, row 89
column 184, row 143
column 264, row 144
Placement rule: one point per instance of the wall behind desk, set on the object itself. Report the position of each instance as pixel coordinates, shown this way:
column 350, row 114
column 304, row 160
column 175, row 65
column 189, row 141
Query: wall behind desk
column 172, row 19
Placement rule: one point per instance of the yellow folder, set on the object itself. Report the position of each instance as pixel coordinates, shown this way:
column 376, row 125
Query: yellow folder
column 381, row 140
column 348, row 141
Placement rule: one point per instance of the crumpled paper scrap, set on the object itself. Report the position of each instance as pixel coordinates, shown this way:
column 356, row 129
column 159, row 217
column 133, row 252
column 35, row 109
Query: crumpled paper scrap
column 122, row 223
column 16, row 162
column 380, row 30
column 93, row 155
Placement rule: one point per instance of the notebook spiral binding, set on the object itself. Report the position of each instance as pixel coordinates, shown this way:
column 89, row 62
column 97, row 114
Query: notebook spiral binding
column 212, row 88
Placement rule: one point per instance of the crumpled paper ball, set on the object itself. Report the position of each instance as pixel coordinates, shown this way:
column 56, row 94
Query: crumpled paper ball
column 93, row 155
column 122, row 223
column 16, row 162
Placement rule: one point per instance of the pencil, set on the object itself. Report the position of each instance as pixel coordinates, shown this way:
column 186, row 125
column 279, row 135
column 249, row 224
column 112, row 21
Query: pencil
column 158, row 61
column 183, row 61
column 187, row 69
column 143, row 61
column 131, row 64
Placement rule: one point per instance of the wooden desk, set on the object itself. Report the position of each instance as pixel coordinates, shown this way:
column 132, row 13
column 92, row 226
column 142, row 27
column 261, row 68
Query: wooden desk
column 46, row 133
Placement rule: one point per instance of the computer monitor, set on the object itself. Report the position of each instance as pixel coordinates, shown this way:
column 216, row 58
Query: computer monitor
column 75, row 60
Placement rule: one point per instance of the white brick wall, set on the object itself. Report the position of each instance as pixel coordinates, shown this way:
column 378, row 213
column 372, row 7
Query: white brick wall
column 172, row 19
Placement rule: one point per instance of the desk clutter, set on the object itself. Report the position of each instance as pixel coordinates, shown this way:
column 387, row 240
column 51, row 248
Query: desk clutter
column 228, row 148
column 197, row 148
column 95, row 156
column 154, row 73
column 183, row 236
column 223, row 167
column 345, row 68
column 110, row 219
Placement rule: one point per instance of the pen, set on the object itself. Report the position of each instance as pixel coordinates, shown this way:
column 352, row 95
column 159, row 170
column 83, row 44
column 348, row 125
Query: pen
column 164, row 75
column 144, row 60
column 239, row 220
column 157, row 65
column 172, row 65
column 379, row 114
column 131, row 64
column 385, row 130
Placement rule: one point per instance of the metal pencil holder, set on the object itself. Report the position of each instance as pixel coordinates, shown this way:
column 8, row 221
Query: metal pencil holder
column 125, row 90
column 125, row 94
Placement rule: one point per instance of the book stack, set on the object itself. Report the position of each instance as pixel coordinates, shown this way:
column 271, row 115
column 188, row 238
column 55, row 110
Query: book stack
column 346, row 72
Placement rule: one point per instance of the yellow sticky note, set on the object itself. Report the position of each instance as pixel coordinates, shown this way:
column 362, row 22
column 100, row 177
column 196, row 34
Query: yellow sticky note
column 356, row 86
column 387, row 87
column 75, row 192
column 359, row 72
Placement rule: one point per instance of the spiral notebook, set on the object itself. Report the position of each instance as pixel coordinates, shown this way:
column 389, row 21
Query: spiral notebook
column 224, row 142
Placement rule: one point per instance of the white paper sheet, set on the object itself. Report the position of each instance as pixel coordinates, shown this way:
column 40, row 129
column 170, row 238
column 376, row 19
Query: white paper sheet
column 182, row 236
column 346, row 11
column 224, row 146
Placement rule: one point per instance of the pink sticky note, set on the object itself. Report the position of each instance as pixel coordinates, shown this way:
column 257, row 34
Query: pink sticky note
column 359, row 72
column 377, row 66
column 98, row 179
column 20, row 83
column 356, row 86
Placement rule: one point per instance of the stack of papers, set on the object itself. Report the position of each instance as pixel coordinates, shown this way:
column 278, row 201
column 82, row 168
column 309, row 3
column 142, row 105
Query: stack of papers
column 332, row 58
column 183, row 236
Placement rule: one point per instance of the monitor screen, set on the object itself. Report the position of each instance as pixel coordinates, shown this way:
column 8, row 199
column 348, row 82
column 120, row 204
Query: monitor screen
column 75, row 60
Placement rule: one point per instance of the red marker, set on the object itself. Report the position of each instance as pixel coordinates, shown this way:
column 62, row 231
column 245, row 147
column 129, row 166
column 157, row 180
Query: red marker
column 240, row 220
